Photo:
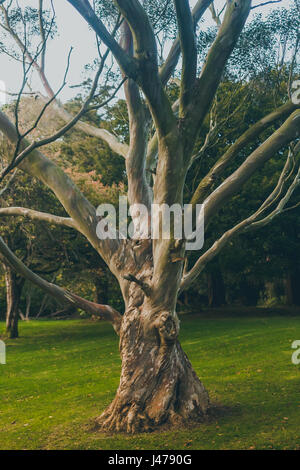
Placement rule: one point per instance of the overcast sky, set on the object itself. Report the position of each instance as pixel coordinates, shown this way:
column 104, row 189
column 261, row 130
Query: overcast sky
column 73, row 31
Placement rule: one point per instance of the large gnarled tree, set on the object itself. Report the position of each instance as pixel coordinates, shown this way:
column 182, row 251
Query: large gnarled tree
column 158, row 384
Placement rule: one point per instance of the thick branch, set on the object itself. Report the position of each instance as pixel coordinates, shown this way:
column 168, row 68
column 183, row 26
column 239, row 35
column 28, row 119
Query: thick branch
column 43, row 35
column 254, row 221
column 105, row 312
column 235, row 17
column 170, row 63
column 127, row 64
column 188, row 45
column 36, row 215
column 289, row 131
column 74, row 202
column 145, row 55
column 139, row 121
column 252, row 133
column 114, row 143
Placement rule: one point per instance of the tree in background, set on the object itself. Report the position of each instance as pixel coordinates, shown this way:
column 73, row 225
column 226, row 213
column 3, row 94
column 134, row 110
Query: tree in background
column 58, row 251
column 158, row 384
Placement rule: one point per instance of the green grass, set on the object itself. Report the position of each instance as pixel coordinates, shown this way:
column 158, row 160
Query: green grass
column 61, row 374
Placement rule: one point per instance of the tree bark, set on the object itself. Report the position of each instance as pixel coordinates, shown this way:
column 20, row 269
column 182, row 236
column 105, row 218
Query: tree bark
column 14, row 286
column 158, row 385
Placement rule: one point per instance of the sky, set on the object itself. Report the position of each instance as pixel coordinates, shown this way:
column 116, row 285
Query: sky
column 73, row 32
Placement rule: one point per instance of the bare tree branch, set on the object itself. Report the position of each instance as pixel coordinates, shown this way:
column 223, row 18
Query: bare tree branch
column 139, row 122
column 265, row 3
column 214, row 15
column 43, row 35
column 36, row 215
column 252, row 222
column 171, row 61
column 19, row 157
column 188, row 45
column 145, row 56
column 114, row 143
column 127, row 64
column 76, row 205
column 105, row 312
column 234, row 20
column 9, row 182
column 289, row 131
column 249, row 135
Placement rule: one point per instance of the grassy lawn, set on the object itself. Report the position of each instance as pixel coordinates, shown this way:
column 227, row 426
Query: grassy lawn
column 61, row 374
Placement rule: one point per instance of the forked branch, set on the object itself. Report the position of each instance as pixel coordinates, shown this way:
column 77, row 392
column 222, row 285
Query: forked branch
column 114, row 143
column 288, row 132
column 188, row 45
column 77, row 206
column 256, row 220
column 104, row 312
column 205, row 185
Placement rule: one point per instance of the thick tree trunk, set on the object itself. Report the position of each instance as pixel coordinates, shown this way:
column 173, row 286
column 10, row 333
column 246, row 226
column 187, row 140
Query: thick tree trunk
column 14, row 286
column 158, row 385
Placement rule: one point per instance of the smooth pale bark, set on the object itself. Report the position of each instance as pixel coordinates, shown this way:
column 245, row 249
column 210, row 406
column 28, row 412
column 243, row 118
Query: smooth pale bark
column 188, row 44
column 233, row 151
column 36, row 215
column 126, row 63
column 171, row 61
column 289, row 131
column 77, row 206
column 139, row 191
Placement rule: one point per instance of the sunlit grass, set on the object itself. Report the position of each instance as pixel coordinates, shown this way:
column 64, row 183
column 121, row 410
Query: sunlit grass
column 61, row 374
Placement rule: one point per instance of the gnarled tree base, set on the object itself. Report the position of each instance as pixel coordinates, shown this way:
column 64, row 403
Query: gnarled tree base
column 161, row 392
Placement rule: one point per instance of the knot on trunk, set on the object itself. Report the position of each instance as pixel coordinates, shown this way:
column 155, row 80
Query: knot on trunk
column 168, row 327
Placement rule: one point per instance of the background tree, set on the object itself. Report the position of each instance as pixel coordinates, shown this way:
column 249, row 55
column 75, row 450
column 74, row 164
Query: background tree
column 53, row 250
